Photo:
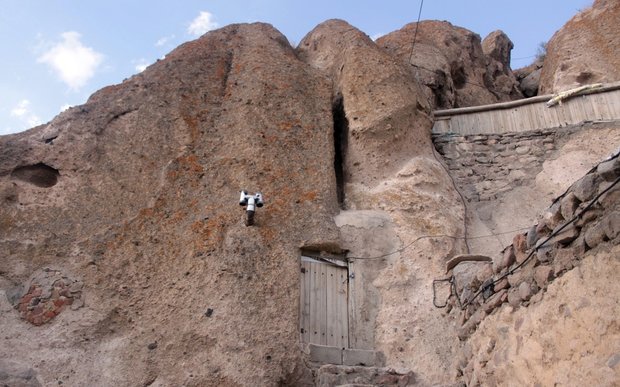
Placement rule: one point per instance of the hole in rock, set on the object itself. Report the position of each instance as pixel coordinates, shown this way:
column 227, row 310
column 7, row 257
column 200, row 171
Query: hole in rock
column 40, row 174
column 341, row 133
column 459, row 77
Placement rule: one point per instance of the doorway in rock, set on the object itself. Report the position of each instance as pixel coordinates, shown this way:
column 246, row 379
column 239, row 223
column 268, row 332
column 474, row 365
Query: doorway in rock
column 324, row 316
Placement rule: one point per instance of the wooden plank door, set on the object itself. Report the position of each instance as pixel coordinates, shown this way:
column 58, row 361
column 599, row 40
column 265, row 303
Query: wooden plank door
column 323, row 303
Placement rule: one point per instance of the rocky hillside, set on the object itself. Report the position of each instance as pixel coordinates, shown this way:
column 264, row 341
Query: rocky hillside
column 135, row 195
column 125, row 259
column 455, row 67
column 585, row 50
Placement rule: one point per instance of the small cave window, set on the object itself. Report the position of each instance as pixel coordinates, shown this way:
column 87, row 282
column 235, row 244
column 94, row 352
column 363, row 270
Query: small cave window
column 41, row 175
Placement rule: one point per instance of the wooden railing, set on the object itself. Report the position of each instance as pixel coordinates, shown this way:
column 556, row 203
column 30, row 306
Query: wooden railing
column 601, row 104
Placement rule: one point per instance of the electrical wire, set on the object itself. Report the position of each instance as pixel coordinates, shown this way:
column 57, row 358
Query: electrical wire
column 462, row 199
column 524, row 57
column 534, row 250
column 438, row 236
column 417, row 24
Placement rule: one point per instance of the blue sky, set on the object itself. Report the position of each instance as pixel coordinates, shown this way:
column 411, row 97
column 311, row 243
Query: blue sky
column 58, row 52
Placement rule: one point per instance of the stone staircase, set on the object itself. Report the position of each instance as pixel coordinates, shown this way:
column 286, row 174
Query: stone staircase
column 347, row 367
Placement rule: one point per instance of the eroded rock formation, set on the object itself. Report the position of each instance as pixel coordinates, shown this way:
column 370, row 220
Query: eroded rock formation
column 451, row 63
column 585, row 50
column 396, row 192
column 177, row 291
column 125, row 259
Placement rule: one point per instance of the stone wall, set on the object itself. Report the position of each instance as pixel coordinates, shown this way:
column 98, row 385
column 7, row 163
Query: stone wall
column 508, row 179
column 582, row 222
column 486, row 165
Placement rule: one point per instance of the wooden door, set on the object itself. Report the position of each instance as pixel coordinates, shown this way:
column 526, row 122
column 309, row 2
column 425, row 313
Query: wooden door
column 323, row 304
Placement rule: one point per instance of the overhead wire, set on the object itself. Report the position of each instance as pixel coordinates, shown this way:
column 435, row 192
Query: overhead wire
column 417, row 24
column 415, row 34
column 437, row 236
column 462, row 199
column 490, row 285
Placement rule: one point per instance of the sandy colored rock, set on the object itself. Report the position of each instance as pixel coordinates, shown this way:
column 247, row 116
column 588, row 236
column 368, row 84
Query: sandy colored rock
column 144, row 211
column 383, row 107
column 390, row 169
column 585, row 50
column 131, row 201
column 450, row 62
column 529, row 78
column 498, row 46
column 541, row 343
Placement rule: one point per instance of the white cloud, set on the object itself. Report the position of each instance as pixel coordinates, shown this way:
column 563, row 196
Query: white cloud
column 21, row 108
column 140, row 64
column 201, row 24
column 33, row 121
column 23, row 113
column 164, row 40
column 74, row 63
column 377, row 36
column 65, row 107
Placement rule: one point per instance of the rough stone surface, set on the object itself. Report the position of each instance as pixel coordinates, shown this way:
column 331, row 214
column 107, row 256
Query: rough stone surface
column 15, row 375
column 144, row 212
column 566, row 338
column 585, row 50
column 362, row 357
column 495, row 193
column 585, row 188
column 542, row 275
column 568, row 205
column 529, row 78
column 450, row 62
column 469, row 276
column 48, row 293
column 595, row 234
column 609, row 170
column 504, row 260
column 526, row 278
column 325, row 354
column 390, row 170
column 383, row 105
column 329, row 375
column 123, row 243
column 498, row 46
column 525, row 291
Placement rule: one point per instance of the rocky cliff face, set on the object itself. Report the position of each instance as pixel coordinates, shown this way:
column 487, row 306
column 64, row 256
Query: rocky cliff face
column 135, row 195
column 451, row 63
column 585, row 50
column 124, row 258
column 389, row 168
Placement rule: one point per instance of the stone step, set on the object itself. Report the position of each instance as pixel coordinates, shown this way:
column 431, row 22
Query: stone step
column 337, row 375
column 344, row 356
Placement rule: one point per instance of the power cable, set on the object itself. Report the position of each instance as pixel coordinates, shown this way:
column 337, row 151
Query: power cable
column 462, row 200
column 524, row 57
column 438, row 236
column 489, row 287
column 415, row 34
column 468, row 82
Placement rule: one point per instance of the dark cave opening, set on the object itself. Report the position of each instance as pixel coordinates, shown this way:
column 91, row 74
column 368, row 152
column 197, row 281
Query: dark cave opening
column 40, row 174
column 341, row 133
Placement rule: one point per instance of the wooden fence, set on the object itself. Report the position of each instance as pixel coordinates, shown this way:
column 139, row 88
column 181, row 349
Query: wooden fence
column 602, row 104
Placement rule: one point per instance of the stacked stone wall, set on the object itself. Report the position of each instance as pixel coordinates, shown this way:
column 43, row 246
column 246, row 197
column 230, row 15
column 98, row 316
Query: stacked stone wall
column 487, row 165
column 585, row 217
